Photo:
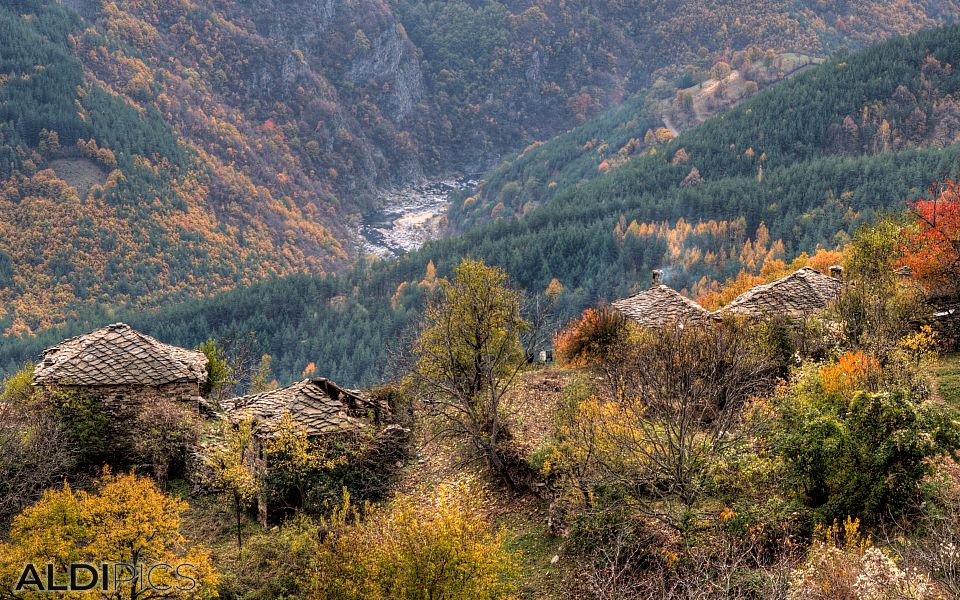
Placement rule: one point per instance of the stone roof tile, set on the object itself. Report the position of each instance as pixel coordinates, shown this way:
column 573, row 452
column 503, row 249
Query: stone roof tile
column 659, row 306
column 319, row 405
column 118, row 355
column 803, row 292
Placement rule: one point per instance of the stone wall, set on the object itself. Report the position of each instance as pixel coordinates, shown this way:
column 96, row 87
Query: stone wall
column 122, row 402
column 946, row 322
column 116, row 399
column 122, row 405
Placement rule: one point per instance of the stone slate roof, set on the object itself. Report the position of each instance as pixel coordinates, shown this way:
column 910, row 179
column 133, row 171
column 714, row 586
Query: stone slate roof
column 659, row 306
column 118, row 355
column 319, row 405
column 801, row 293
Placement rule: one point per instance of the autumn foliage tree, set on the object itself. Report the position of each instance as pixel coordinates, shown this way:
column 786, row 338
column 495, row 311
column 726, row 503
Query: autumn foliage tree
column 294, row 459
column 932, row 243
column 231, row 470
column 874, row 308
column 125, row 519
column 672, row 403
column 437, row 546
column 165, row 433
column 468, row 354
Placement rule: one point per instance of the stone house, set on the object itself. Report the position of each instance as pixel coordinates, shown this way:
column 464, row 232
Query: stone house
column 123, row 370
column 803, row 293
column 660, row 306
column 322, row 408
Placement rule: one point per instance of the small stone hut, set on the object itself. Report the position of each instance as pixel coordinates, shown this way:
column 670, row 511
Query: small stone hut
column 319, row 405
column 660, row 306
column 801, row 294
column 322, row 408
column 123, row 369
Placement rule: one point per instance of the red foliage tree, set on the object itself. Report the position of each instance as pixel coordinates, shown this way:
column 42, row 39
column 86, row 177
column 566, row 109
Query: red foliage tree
column 932, row 244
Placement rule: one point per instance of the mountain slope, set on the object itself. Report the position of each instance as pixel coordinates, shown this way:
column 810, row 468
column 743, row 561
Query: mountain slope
column 600, row 240
column 153, row 150
column 156, row 216
column 887, row 107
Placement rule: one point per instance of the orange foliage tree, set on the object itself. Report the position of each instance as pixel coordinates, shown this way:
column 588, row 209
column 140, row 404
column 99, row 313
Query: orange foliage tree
column 597, row 332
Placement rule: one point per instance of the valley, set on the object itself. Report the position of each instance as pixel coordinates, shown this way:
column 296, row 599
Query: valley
column 480, row 299
column 245, row 138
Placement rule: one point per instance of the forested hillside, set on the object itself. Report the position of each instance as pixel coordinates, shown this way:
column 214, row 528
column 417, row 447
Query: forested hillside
column 104, row 200
column 863, row 113
column 157, row 149
column 747, row 191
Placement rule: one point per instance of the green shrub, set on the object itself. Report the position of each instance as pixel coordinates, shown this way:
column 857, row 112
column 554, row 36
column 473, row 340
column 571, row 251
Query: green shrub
column 864, row 457
column 219, row 372
column 276, row 563
column 84, row 422
column 18, row 388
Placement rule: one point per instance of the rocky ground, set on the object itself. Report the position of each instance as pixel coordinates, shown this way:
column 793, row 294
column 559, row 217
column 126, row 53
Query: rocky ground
column 409, row 217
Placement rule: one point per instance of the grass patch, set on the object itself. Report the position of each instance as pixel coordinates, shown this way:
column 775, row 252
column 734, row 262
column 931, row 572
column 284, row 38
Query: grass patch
column 946, row 373
column 539, row 577
column 211, row 522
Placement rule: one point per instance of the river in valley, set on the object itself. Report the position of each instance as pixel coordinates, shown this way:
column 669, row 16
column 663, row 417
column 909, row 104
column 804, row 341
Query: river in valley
column 409, row 217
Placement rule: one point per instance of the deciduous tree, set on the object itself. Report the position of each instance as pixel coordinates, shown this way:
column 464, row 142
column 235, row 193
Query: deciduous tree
column 468, row 354
column 932, row 243
column 126, row 519
column 232, row 471
column 672, row 405
column 293, row 458
column 434, row 546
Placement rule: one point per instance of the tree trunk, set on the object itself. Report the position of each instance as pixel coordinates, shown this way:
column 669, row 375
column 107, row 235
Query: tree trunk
column 237, row 505
column 496, row 465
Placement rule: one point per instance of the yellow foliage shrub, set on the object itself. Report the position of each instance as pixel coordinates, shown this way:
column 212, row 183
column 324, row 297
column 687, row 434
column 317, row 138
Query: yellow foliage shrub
column 441, row 547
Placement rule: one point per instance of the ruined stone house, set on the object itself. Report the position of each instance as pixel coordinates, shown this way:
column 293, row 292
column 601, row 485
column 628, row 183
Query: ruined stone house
column 321, row 408
column 123, row 370
column 943, row 303
column 945, row 321
column 319, row 405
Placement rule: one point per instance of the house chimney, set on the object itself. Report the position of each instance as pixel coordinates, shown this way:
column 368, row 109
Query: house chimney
column 836, row 271
column 657, row 277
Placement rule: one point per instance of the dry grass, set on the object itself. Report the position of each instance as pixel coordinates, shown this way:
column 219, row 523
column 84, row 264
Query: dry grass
column 211, row 522
column 80, row 173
